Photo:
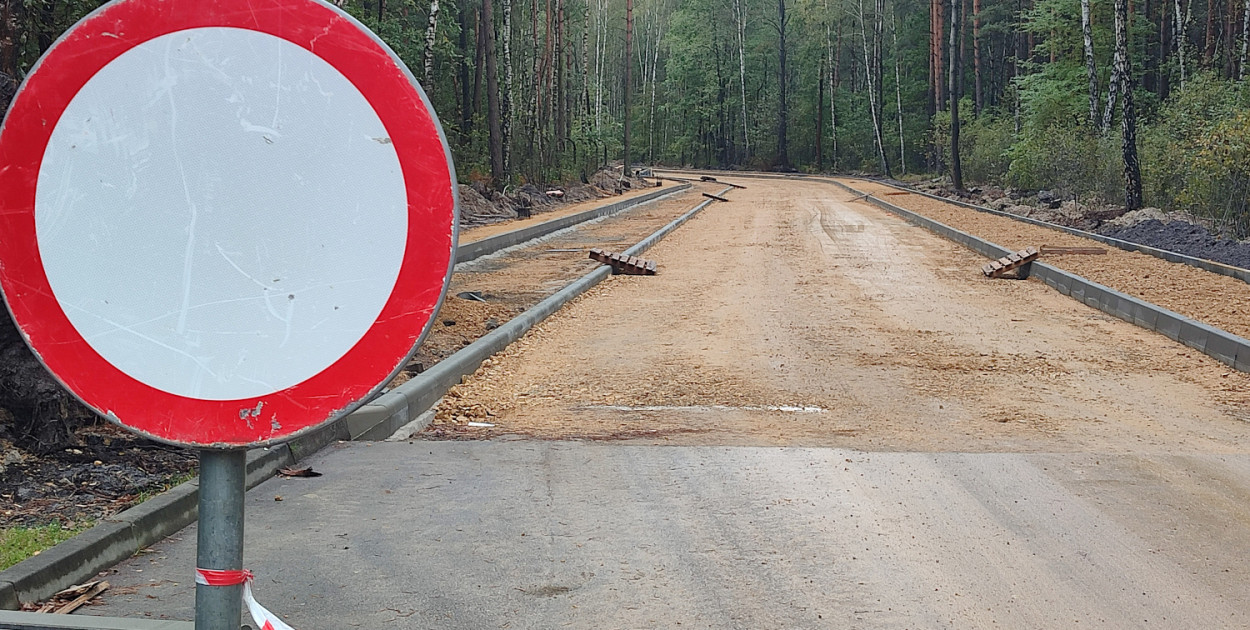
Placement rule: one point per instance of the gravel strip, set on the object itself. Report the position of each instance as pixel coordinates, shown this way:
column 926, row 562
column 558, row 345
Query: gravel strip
column 1213, row 299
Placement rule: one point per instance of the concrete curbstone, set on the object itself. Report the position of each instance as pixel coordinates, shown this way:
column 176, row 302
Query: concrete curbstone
column 487, row 246
column 1223, row 347
column 72, row 561
column 44, row 621
column 1194, row 335
column 1242, row 361
column 1093, row 296
column 1169, row 325
column 1145, row 316
column 8, row 596
column 175, row 508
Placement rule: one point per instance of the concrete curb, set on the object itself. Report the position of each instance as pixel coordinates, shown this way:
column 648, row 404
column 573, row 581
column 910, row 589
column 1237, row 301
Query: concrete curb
column 487, row 246
column 43, row 621
column 118, row 538
column 1220, row 345
column 1170, row 256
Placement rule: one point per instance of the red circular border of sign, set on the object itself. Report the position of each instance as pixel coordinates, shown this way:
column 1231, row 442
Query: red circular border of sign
column 331, row 35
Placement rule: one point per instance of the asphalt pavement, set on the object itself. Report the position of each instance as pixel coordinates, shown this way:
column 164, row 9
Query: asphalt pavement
column 514, row 533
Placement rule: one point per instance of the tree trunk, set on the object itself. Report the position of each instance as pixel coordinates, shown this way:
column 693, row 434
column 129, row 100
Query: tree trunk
column 898, row 96
column 508, row 112
column 585, row 65
column 629, row 78
column 820, row 116
column 655, row 61
column 1128, row 117
column 1181, row 36
column 559, row 76
column 1209, row 49
column 783, row 156
column 1113, row 92
column 873, row 94
column 741, row 17
column 466, row 96
column 939, row 49
column 1245, row 39
column 1090, row 69
column 957, row 175
column 479, row 62
column 835, row 66
column 976, row 57
column 495, row 140
column 429, row 46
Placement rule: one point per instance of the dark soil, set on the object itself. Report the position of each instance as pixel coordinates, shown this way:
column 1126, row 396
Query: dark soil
column 1185, row 238
column 104, row 473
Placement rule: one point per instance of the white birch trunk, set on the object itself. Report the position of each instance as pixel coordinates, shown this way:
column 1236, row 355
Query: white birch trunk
column 1090, row 69
column 741, row 16
column 428, row 80
column 655, row 62
column 898, row 96
column 508, row 79
column 872, row 97
column 833, row 71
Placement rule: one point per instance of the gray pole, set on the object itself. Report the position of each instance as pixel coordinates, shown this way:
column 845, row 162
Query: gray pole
column 220, row 541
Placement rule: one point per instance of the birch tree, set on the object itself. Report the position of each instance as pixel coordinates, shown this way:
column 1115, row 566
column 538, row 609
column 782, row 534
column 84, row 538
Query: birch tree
column 1087, row 34
column 428, row 78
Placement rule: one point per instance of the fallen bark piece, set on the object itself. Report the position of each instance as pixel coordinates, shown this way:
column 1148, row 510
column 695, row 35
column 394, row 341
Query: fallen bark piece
column 1015, row 260
column 716, row 197
column 620, row 263
column 96, row 589
column 707, row 178
column 306, row 471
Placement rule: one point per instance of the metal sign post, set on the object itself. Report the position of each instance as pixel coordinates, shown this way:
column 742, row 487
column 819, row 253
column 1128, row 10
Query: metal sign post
column 224, row 224
column 219, row 542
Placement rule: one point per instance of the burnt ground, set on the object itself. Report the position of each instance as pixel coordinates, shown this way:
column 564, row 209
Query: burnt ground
column 107, row 471
column 1185, row 238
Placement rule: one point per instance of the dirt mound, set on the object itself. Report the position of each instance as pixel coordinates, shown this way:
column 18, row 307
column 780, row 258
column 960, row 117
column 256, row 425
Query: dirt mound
column 476, row 210
column 1185, row 238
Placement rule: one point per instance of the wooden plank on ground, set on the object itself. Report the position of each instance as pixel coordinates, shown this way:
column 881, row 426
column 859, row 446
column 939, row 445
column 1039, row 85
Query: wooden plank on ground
column 1014, row 260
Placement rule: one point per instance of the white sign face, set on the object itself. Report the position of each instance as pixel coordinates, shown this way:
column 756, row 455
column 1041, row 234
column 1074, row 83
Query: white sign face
column 221, row 213
column 224, row 222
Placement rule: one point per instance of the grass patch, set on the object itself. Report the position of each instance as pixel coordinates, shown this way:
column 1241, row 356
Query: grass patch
column 20, row 543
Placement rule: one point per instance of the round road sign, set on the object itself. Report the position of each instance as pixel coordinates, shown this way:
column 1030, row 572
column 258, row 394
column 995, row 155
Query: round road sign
column 223, row 222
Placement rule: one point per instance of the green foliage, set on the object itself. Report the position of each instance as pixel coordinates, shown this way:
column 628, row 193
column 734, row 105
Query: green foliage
column 20, row 543
column 1193, row 153
column 985, row 145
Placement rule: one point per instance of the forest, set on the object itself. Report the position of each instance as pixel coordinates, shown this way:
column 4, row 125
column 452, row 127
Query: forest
column 1141, row 102
column 1128, row 102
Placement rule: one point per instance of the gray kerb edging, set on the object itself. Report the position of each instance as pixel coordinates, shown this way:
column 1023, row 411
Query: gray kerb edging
column 43, row 621
column 1220, row 345
column 124, row 534
column 490, row 245
column 1170, row 256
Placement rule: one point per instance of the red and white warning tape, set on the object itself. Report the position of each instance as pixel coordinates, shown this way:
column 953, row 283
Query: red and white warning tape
column 265, row 619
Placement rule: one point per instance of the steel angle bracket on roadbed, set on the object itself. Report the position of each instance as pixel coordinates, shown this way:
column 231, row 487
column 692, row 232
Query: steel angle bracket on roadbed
column 126, row 533
column 1221, row 345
